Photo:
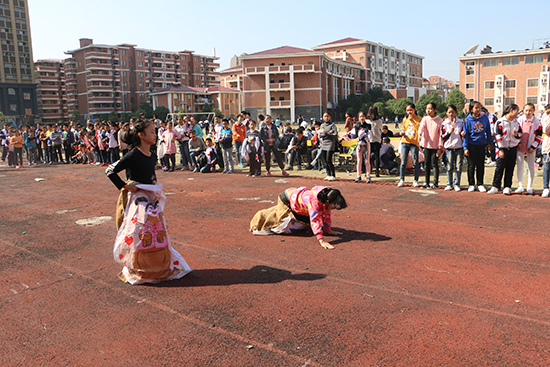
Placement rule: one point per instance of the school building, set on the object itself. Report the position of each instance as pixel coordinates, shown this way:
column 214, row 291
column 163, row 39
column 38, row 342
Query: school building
column 438, row 84
column 287, row 81
column 497, row 79
column 51, row 91
column 193, row 99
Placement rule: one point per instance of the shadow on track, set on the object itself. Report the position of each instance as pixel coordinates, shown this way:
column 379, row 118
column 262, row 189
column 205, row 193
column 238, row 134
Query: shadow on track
column 258, row 274
column 348, row 235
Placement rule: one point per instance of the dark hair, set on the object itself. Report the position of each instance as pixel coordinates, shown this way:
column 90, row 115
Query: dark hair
column 132, row 136
column 410, row 105
column 386, row 140
column 361, row 112
column 472, row 104
column 225, row 120
column 208, row 139
column 509, row 108
column 332, row 196
column 261, row 117
column 300, row 130
column 453, row 107
column 373, row 113
column 547, row 107
column 434, row 106
column 328, row 113
column 529, row 104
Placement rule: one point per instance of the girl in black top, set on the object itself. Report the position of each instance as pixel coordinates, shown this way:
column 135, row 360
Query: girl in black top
column 139, row 164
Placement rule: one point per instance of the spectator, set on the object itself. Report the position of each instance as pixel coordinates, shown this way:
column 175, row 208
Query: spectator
column 226, row 142
column 387, row 156
column 410, row 144
column 386, row 133
column 430, row 131
column 270, row 140
column 476, row 135
column 239, row 135
column 329, row 139
column 451, row 134
column 196, row 146
column 170, row 136
column 530, row 140
column 297, row 148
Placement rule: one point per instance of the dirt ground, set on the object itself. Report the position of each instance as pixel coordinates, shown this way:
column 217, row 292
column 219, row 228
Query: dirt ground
column 424, row 278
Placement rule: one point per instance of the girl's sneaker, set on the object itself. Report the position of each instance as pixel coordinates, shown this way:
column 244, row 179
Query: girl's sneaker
column 481, row 188
column 493, row 190
column 415, row 183
column 401, row 183
column 230, row 171
column 530, row 191
column 519, row 190
column 358, row 179
column 471, row 188
column 331, row 178
column 457, row 188
column 224, row 171
column 368, row 180
column 507, row 191
column 448, row 188
column 327, row 178
column 545, row 193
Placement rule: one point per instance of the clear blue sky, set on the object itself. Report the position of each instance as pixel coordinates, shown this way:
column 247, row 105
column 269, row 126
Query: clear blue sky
column 438, row 30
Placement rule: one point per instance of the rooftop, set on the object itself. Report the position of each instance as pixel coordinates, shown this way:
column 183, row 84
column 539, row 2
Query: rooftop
column 282, row 50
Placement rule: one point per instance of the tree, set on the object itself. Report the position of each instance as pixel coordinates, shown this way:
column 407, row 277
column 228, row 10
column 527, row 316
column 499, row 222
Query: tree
column 126, row 116
column 113, row 116
column 381, row 107
column 75, row 116
column 398, row 106
column 146, row 109
column 218, row 112
column 423, row 101
column 161, row 112
column 457, row 98
column 206, row 108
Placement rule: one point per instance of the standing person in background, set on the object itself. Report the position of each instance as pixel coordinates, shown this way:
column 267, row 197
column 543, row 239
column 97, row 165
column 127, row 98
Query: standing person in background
column 56, row 138
column 430, row 130
column 43, row 138
column 31, row 145
column 476, row 135
column 270, row 139
column 349, row 123
column 396, row 122
column 375, row 123
column 226, row 142
column 508, row 136
column 361, row 133
column 17, row 142
column 530, row 140
column 253, row 147
column 114, row 151
column 196, row 127
column 120, row 135
column 410, row 143
column 68, row 141
column 183, row 128
column 170, row 136
column 239, row 134
column 217, row 132
column 451, row 134
column 328, row 133
column 546, row 151
column 3, row 140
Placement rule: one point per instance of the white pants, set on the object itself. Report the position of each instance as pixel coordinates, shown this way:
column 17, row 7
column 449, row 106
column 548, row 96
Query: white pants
column 520, row 159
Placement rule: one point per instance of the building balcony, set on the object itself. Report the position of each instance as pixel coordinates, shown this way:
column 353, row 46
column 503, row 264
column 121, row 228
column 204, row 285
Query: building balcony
column 97, row 66
column 255, row 70
column 282, row 69
column 275, row 104
column 97, row 88
column 48, row 87
column 279, row 86
column 100, row 99
column 51, row 106
column 100, row 78
column 200, row 101
column 48, row 97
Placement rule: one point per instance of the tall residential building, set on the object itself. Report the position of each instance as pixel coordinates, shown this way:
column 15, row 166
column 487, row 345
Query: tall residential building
column 51, row 91
column 288, row 81
column 439, row 85
column 387, row 67
column 17, row 88
column 105, row 78
column 497, row 79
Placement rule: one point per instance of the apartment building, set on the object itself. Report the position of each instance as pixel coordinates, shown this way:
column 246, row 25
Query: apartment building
column 193, row 99
column 288, row 81
column 497, row 79
column 51, row 91
column 104, row 78
column 17, row 88
column 439, row 85
column 387, row 67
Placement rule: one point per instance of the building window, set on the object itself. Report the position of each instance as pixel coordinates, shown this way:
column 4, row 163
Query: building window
column 510, row 84
column 123, row 52
column 469, row 72
column 470, row 63
column 532, row 100
column 532, row 83
column 26, row 96
column 490, row 84
column 123, row 63
column 11, row 91
column 490, row 62
column 140, row 64
column 489, row 102
column 510, row 61
column 509, row 100
column 13, row 107
column 140, row 53
column 469, row 85
column 534, row 59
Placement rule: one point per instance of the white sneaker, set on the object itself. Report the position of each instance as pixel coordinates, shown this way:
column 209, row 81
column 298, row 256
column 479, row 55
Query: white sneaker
column 401, row 183
column 493, row 190
column 327, row 178
column 545, row 193
column 530, row 191
column 519, row 190
column 507, row 191
column 481, row 188
column 331, row 178
column 488, row 160
column 448, row 188
column 415, row 183
column 471, row 188
column 457, row 188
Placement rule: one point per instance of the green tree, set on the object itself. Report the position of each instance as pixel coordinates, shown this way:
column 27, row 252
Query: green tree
column 423, row 101
column 398, row 106
column 126, row 116
column 75, row 116
column 113, row 116
column 182, row 110
column 161, row 112
column 381, row 107
column 2, row 119
column 206, row 108
column 457, row 98
column 218, row 112
column 103, row 117
column 146, row 109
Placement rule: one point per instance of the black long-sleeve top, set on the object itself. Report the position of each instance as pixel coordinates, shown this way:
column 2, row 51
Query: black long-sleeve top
column 139, row 168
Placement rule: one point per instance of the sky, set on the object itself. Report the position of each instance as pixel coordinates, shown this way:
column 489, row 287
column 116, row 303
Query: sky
column 441, row 31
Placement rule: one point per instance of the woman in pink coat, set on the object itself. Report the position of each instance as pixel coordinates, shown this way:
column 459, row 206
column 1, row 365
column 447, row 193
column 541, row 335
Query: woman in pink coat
column 170, row 136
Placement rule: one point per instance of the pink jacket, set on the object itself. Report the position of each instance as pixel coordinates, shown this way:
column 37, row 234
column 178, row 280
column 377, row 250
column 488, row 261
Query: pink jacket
column 546, row 132
column 430, row 130
column 304, row 201
column 535, row 134
column 169, row 137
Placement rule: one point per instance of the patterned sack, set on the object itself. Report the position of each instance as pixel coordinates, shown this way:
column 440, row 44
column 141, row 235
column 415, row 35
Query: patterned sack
column 143, row 245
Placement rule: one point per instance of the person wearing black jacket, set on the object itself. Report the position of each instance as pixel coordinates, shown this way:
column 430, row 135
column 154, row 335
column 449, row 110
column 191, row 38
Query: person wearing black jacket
column 297, row 147
column 270, row 138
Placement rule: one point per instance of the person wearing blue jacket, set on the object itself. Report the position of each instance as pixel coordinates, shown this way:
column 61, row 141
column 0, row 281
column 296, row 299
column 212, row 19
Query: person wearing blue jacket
column 476, row 136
